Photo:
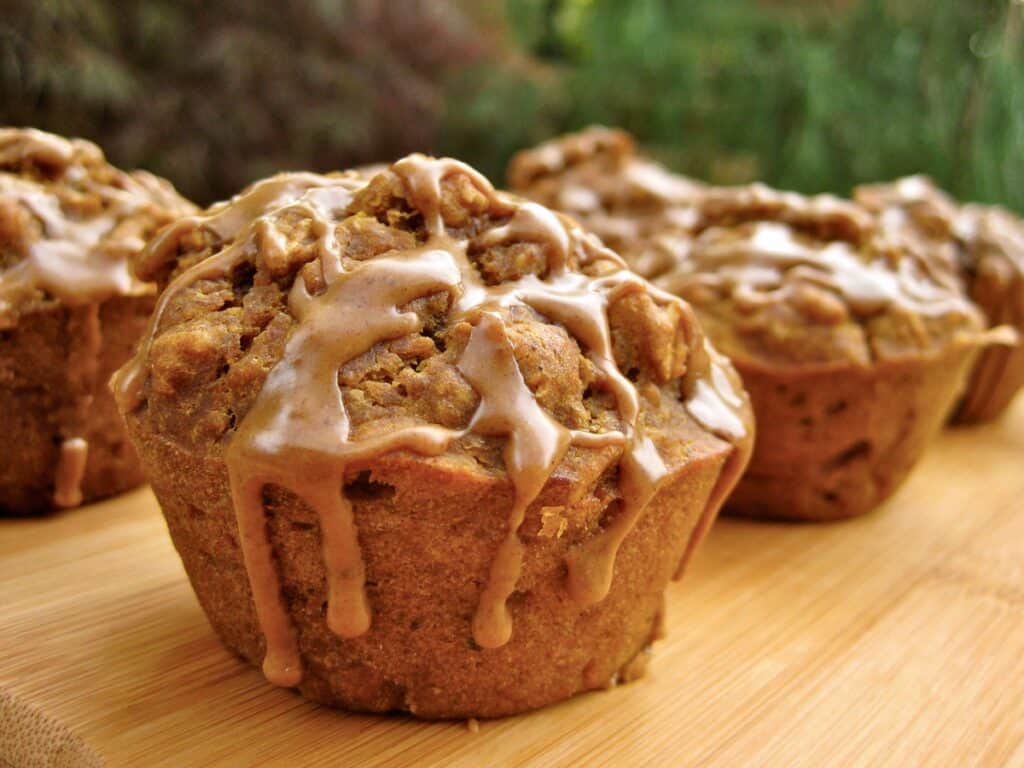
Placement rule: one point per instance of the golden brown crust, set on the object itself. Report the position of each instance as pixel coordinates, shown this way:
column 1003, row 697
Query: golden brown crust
column 480, row 484
column 70, row 314
column 853, row 342
column 429, row 529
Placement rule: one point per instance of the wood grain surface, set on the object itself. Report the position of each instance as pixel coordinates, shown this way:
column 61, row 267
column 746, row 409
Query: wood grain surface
column 896, row 639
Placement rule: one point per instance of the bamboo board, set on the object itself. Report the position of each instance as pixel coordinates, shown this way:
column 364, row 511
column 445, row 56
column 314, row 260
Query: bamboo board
column 897, row 639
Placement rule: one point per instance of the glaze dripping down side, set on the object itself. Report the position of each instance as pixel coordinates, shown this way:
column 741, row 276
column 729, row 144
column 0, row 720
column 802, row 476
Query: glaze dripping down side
column 298, row 434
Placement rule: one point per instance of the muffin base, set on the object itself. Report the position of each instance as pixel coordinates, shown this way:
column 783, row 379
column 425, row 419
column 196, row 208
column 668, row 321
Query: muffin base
column 836, row 442
column 52, row 388
column 428, row 530
column 995, row 381
column 998, row 373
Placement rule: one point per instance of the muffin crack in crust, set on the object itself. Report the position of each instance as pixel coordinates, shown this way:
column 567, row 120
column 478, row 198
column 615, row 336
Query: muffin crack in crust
column 418, row 310
column 69, row 225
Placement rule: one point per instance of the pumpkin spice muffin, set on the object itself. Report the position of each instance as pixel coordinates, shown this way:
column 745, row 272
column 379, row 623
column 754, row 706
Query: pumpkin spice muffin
column 853, row 347
column 70, row 313
column 423, row 446
column 639, row 209
column 985, row 246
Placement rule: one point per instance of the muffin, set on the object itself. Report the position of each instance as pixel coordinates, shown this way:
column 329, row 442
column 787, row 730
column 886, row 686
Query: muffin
column 421, row 445
column 640, row 210
column 853, row 347
column 985, row 245
column 70, row 314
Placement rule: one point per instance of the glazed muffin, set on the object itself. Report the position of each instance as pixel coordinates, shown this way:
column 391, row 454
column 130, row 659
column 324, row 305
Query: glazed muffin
column 985, row 246
column 639, row 209
column 70, row 314
column 853, row 348
column 423, row 446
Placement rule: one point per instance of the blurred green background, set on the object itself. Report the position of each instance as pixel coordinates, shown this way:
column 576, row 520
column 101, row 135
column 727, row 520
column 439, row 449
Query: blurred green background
column 808, row 95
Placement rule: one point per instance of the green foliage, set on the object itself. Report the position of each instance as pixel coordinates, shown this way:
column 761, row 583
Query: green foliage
column 804, row 94
column 213, row 94
column 796, row 94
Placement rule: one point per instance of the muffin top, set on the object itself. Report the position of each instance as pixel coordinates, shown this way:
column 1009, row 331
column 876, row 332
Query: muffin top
column 316, row 322
column 69, row 221
column 246, row 277
column 783, row 279
column 984, row 243
column 639, row 209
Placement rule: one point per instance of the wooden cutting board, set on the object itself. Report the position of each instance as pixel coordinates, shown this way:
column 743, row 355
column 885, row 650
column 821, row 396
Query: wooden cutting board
column 897, row 639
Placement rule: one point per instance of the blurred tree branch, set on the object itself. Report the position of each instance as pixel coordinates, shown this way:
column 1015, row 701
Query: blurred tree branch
column 807, row 95
column 214, row 94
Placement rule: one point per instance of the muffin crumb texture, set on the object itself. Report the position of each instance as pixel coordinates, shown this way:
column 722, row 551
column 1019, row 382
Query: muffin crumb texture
column 367, row 357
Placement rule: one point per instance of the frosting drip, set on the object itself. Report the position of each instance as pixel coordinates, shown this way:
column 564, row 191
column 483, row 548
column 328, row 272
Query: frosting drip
column 74, row 454
column 297, row 433
column 82, row 371
column 535, row 444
